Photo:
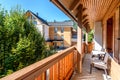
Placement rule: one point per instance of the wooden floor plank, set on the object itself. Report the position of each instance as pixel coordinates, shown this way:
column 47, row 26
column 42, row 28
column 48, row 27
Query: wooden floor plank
column 97, row 74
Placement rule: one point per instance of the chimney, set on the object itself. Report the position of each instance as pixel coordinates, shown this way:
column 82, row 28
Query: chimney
column 54, row 20
column 37, row 14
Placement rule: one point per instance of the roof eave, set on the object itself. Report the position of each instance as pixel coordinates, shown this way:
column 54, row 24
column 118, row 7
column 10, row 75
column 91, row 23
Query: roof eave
column 61, row 7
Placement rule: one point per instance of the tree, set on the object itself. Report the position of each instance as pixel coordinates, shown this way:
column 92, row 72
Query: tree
column 20, row 42
column 75, row 25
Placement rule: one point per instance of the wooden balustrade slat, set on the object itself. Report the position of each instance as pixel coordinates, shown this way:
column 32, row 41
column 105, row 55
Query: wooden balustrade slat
column 39, row 77
column 51, row 73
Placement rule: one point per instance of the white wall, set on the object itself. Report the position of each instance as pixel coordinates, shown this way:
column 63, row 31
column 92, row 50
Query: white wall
column 40, row 28
column 98, row 35
column 43, row 29
column 46, row 32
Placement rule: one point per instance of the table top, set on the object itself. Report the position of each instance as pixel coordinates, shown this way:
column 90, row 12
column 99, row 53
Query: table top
column 97, row 52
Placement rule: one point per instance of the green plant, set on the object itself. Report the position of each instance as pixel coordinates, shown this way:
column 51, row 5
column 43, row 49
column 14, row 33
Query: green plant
column 90, row 36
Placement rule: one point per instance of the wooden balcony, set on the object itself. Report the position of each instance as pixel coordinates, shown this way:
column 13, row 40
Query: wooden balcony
column 59, row 66
column 63, row 66
column 97, row 74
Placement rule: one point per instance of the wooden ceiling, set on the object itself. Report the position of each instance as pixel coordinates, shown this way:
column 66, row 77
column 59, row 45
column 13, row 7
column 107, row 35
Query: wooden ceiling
column 92, row 10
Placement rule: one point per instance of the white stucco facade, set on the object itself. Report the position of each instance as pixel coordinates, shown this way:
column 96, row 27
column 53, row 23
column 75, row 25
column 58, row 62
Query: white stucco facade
column 43, row 29
column 98, row 36
column 40, row 24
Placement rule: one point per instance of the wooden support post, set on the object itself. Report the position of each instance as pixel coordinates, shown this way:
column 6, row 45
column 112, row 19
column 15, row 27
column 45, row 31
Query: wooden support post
column 118, row 39
column 86, row 38
column 79, row 48
column 86, row 42
column 79, row 40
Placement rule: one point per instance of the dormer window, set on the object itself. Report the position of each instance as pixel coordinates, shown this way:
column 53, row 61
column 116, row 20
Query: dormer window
column 35, row 22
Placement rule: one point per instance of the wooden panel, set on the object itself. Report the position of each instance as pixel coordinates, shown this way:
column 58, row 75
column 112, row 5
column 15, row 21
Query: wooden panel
column 116, row 34
column 51, row 32
column 110, row 34
column 113, row 69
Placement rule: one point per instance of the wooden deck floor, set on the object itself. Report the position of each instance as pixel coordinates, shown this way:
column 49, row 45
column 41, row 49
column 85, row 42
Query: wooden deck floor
column 85, row 75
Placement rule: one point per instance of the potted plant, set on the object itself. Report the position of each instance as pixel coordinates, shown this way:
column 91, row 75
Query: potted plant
column 90, row 41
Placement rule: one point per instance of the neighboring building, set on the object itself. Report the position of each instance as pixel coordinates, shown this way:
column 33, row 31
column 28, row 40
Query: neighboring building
column 39, row 23
column 57, row 34
column 60, row 33
column 74, row 37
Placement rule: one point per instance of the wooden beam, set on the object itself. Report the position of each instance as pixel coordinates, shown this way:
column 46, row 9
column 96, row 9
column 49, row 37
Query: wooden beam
column 84, row 9
column 62, row 8
column 84, row 16
column 87, row 26
column 79, row 15
column 85, row 21
column 74, row 5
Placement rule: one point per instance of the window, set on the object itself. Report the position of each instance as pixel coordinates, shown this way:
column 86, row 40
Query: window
column 55, row 37
column 43, row 30
column 62, row 29
column 55, row 29
column 35, row 22
column 29, row 18
column 62, row 44
column 33, row 18
column 62, row 37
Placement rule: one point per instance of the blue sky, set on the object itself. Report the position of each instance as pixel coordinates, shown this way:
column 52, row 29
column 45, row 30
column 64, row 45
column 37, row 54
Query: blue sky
column 46, row 9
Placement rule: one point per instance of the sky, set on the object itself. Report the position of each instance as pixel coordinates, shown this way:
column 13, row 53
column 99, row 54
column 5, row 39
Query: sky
column 46, row 9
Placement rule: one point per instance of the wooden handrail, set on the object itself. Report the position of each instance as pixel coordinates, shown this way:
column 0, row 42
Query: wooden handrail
column 40, row 67
column 59, row 66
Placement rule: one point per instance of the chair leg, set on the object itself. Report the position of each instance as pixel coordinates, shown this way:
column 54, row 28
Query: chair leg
column 106, row 74
column 91, row 68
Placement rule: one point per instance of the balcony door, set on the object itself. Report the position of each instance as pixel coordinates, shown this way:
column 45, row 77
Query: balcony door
column 109, row 45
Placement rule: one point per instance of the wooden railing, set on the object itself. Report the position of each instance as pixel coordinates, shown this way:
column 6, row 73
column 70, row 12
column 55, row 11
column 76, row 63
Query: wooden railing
column 59, row 66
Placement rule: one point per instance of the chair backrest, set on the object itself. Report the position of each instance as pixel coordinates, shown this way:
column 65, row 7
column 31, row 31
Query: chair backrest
column 106, row 57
